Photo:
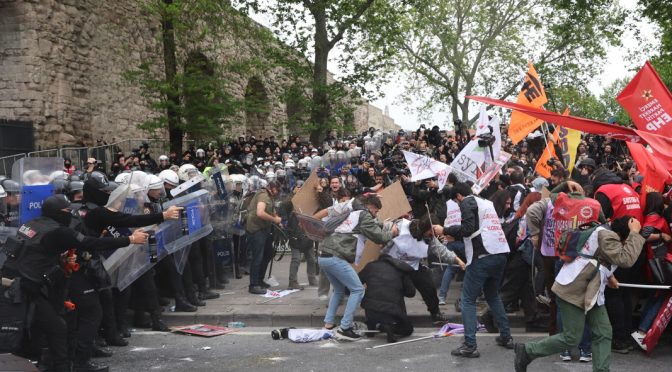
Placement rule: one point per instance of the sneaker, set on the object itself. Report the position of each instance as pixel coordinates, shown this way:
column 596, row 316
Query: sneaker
column 585, row 356
column 466, row 351
column 506, row 342
column 323, row 298
column 439, row 318
column 522, row 359
column 620, row 347
column 347, row 334
column 442, row 300
column 639, row 339
column 566, row 356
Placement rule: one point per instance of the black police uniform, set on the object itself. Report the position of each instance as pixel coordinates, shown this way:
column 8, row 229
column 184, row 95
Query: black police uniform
column 38, row 264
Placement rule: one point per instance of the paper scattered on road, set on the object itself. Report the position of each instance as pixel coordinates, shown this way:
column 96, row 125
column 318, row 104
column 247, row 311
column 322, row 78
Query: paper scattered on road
column 278, row 294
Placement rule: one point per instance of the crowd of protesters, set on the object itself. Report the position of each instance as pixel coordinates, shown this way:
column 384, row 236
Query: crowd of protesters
column 360, row 167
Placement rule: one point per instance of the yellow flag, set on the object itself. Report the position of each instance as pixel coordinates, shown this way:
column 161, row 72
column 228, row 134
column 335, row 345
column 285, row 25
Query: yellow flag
column 531, row 94
column 568, row 140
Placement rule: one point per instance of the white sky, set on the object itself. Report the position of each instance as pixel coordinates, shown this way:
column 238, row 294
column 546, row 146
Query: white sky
column 617, row 66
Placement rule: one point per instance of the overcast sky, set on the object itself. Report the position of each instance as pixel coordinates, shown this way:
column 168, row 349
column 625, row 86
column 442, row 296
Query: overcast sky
column 615, row 67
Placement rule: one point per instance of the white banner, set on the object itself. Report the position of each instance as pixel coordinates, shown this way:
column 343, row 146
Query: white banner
column 423, row 167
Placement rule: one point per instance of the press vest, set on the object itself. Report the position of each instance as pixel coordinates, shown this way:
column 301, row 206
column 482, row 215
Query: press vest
column 624, row 200
column 490, row 230
column 347, row 226
column 406, row 248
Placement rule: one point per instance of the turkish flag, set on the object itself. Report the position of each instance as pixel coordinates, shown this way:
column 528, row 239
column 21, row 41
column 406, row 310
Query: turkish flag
column 648, row 102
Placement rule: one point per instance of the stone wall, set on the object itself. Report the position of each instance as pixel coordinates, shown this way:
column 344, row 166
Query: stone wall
column 62, row 65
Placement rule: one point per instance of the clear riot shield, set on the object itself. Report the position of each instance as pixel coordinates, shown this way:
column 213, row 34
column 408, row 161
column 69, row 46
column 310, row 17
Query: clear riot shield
column 33, row 178
column 170, row 237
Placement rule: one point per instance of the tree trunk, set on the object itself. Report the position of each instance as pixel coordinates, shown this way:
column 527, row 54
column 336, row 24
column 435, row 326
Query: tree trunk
column 175, row 133
column 320, row 111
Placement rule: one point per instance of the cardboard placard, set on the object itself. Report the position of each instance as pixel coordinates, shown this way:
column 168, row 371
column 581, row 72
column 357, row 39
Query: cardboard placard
column 305, row 201
column 395, row 205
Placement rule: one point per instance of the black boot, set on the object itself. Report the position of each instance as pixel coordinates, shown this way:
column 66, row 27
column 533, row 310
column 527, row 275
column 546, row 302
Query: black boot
column 183, row 306
column 88, row 366
column 194, row 300
column 207, row 295
column 157, row 322
column 140, row 321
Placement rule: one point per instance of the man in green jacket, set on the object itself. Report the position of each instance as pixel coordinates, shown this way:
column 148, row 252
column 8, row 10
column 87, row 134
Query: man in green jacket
column 337, row 253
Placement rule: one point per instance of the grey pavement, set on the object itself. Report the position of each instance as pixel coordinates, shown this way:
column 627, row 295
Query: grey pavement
column 252, row 349
column 301, row 308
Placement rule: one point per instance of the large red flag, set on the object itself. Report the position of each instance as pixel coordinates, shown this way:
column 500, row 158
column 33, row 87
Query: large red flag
column 652, row 168
column 662, row 146
column 648, row 101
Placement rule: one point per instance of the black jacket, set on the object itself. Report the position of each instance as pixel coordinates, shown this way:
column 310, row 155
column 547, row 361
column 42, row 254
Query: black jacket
column 387, row 282
column 470, row 224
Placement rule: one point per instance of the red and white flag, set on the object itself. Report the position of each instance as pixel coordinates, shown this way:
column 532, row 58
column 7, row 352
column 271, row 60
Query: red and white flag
column 423, row 167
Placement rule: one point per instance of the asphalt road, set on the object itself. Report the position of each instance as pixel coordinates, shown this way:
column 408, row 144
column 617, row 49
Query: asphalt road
column 252, row 349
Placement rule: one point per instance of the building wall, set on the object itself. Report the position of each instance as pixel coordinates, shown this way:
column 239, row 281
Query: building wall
column 62, row 65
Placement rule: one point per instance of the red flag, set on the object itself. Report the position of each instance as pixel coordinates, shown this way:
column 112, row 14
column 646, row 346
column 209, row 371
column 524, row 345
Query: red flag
column 659, row 325
column 582, row 124
column 648, row 101
column 654, row 171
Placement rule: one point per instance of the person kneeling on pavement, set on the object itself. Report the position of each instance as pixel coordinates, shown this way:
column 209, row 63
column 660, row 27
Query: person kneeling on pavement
column 580, row 286
column 410, row 247
column 387, row 282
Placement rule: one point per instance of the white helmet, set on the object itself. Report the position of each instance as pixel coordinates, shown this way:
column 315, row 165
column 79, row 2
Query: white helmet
column 170, row 177
column 303, row 164
column 2, row 192
column 163, row 157
column 58, row 174
column 154, row 182
column 200, row 153
column 185, row 170
column 277, row 165
column 270, row 176
column 122, row 178
column 289, row 164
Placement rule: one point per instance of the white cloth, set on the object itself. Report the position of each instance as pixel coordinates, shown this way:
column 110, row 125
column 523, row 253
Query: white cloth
column 406, row 248
column 490, row 230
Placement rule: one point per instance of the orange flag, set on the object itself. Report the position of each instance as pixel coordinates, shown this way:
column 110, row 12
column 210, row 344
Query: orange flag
column 542, row 168
column 531, row 94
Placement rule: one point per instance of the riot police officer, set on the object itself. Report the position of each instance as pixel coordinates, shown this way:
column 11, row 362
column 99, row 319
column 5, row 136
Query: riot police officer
column 36, row 256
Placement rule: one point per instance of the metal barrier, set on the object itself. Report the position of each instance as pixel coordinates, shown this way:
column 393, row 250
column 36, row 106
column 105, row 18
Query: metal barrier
column 6, row 163
column 77, row 155
column 51, row 153
column 107, row 154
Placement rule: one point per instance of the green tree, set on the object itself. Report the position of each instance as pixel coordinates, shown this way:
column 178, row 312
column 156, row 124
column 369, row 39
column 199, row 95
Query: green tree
column 315, row 28
column 660, row 11
column 188, row 91
column 455, row 48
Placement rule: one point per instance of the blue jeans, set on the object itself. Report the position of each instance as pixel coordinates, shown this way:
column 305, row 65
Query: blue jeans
column 256, row 242
column 458, row 248
column 341, row 275
column 586, row 344
column 483, row 275
column 650, row 312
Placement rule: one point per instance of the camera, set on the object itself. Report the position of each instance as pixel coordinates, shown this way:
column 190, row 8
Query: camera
column 279, row 334
column 551, row 162
column 486, row 139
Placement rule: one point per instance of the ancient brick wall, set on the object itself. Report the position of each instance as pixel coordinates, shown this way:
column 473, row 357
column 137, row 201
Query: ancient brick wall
column 62, row 65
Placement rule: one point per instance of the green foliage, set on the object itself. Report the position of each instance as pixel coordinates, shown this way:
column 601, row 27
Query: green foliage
column 454, row 48
column 660, row 11
column 315, row 28
column 195, row 98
